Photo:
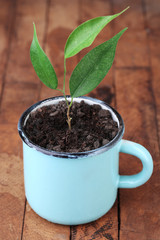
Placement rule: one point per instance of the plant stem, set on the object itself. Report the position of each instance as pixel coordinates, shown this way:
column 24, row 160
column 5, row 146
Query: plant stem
column 69, row 105
column 63, row 91
column 64, row 82
column 64, row 79
column 63, row 95
column 68, row 116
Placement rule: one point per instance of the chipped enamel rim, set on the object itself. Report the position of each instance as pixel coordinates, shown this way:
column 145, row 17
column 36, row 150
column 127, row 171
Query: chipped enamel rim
column 54, row 100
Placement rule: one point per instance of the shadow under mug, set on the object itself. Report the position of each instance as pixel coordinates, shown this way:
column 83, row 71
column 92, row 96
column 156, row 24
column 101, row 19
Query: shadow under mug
column 77, row 188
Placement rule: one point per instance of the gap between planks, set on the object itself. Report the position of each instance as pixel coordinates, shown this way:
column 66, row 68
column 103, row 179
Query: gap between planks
column 25, row 203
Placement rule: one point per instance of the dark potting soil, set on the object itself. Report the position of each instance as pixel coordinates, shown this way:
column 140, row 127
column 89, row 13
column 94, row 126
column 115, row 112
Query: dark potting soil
column 91, row 127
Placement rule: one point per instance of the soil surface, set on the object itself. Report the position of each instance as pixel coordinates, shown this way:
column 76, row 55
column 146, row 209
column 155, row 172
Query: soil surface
column 92, row 127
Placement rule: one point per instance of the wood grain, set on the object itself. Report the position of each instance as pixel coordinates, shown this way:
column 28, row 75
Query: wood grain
column 138, row 207
column 129, row 18
column 107, row 226
column 104, row 228
column 56, row 35
column 10, row 142
column 135, row 102
column 27, row 13
column 155, row 59
column 19, row 92
column 60, row 25
column 21, row 79
column 7, row 11
column 133, row 49
column 15, row 102
column 152, row 14
column 105, row 90
column 132, row 84
column 11, row 174
column 11, row 196
column 38, row 228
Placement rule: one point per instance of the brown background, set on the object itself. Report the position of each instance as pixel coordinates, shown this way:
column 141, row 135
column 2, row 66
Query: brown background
column 132, row 87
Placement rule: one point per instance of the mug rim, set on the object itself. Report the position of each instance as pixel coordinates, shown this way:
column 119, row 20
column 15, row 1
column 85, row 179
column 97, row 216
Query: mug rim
column 45, row 151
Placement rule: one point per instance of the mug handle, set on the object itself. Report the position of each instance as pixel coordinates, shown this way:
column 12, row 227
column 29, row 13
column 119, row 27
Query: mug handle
column 142, row 153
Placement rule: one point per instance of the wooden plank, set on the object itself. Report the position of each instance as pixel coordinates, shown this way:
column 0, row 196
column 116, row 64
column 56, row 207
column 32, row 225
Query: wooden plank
column 19, row 92
column 155, row 58
column 38, row 228
column 62, row 19
column 129, row 18
column 11, row 196
column 139, row 216
column 152, row 14
column 132, row 50
column 107, row 226
column 105, row 90
column 15, row 102
column 104, row 228
column 58, row 33
column 10, row 142
column 24, row 80
column 7, row 11
column 61, row 24
column 139, row 220
column 152, row 22
column 27, row 13
column 11, row 178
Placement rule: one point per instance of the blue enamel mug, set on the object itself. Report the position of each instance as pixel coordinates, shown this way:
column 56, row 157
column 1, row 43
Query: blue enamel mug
column 77, row 188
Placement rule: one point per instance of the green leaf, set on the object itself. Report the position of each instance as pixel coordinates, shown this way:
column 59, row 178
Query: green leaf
column 41, row 64
column 84, row 35
column 93, row 67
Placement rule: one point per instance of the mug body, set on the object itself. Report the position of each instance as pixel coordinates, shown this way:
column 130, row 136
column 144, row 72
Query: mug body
column 71, row 191
column 71, row 188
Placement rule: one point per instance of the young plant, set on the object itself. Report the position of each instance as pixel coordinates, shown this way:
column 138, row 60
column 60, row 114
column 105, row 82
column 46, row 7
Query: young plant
column 92, row 68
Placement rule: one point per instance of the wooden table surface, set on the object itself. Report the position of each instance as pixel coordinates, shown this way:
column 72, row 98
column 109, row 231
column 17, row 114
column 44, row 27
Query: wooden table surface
column 132, row 87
